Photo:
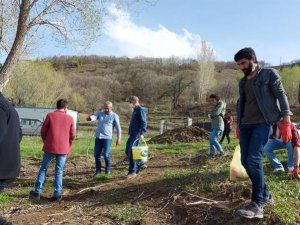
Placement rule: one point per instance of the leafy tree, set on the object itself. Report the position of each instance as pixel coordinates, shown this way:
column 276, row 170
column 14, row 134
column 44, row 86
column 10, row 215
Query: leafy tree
column 36, row 84
column 291, row 80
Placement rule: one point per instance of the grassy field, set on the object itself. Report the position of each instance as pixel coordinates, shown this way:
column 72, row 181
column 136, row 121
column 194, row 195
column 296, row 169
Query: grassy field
column 179, row 174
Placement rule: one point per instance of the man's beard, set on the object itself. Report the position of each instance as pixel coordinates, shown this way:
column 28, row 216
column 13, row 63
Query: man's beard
column 248, row 70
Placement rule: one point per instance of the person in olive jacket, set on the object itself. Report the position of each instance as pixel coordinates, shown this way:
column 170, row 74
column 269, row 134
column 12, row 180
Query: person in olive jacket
column 10, row 138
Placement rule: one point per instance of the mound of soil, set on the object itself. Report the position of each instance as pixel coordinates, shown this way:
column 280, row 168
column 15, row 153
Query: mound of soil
column 183, row 134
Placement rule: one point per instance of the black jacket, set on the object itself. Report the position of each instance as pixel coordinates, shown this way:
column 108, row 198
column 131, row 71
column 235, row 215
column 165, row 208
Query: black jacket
column 10, row 138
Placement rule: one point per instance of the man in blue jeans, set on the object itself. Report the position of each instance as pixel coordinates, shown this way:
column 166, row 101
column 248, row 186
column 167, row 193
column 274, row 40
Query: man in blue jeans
column 274, row 143
column 58, row 133
column 259, row 91
column 107, row 121
column 137, row 129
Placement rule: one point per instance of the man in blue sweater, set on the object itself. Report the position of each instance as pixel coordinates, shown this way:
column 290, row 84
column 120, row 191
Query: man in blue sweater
column 107, row 121
column 136, row 131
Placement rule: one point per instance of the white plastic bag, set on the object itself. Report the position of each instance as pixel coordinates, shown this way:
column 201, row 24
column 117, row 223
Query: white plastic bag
column 236, row 168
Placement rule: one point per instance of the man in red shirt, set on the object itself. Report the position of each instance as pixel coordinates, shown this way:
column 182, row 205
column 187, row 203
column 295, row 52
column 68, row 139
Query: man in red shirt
column 58, row 134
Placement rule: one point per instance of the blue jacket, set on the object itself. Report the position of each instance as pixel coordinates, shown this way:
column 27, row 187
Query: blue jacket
column 106, row 125
column 270, row 96
column 138, row 122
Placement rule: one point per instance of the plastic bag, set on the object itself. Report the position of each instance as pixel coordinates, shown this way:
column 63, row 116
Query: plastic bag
column 236, row 168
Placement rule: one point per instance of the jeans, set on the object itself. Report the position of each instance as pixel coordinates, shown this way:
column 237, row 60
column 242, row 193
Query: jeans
column 59, row 168
column 213, row 141
column 102, row 144
column 252, row 139
column 132, row 164
column 274, row 144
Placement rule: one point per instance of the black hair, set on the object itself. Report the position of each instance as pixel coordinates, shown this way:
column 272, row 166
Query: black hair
column 214, row 96
column 245, row 53
column 61, row 103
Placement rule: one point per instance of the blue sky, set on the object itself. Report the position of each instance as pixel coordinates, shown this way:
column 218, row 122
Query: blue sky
column 177, row 27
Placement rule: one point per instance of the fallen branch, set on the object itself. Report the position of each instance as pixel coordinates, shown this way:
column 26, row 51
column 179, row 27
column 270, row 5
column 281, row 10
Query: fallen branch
column 207, row 199
column 92, row 188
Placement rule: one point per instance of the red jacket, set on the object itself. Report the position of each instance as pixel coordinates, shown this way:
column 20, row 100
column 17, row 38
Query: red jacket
column 228, row 119
column 58, row 133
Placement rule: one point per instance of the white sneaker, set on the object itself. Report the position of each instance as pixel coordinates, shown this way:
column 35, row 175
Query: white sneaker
column 131, row 176
column 290, row 169
column 280, row 169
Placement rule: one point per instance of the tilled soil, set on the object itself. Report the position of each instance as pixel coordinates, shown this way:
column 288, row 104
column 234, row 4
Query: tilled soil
column 183, row 134
column 150, row 198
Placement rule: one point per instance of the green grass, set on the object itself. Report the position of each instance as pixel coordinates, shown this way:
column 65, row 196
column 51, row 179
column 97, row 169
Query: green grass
column 4, row 198
column 203, row 176
column 130, row 214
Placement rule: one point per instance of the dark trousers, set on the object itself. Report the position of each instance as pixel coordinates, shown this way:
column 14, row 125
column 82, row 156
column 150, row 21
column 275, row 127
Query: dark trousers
column 226, row 133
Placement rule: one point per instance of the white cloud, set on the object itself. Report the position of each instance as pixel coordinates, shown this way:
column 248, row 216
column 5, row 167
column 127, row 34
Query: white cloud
column 132, row 40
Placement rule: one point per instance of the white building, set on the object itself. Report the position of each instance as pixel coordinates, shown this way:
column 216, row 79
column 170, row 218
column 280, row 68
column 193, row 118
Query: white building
column 32, row 118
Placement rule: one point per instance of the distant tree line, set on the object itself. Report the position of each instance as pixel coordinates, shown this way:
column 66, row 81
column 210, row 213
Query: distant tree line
column 170, row 83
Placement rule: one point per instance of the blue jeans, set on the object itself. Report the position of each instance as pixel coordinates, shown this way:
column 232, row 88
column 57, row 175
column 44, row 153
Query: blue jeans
column 102, row 144
column 132, row 164
column 213, row 141
column 274, row 144
column 252, row 139
column 59, row 168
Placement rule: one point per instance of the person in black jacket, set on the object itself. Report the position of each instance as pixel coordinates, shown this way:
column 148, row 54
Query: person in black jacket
column 10, row 138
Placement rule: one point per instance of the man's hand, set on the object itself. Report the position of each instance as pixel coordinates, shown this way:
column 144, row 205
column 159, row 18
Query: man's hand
column 88, row 118
column 286, row 132
column 118, row 142
column 142, row 137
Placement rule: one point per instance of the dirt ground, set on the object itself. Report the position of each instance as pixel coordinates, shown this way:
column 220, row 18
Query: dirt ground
column 183, row 134
column 151, row 197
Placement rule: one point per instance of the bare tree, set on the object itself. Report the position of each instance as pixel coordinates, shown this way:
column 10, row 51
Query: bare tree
column 206, row 70
column 64, row 20
column 176, row 88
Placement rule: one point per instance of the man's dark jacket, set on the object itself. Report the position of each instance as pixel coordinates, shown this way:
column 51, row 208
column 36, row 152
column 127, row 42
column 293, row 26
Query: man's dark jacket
column 10, row 138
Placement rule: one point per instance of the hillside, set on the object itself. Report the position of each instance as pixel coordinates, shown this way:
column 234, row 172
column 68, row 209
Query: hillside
column 101, row 78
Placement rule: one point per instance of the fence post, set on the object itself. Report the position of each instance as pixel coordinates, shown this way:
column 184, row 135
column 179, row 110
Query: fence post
column 189, row 121
column 162, row 126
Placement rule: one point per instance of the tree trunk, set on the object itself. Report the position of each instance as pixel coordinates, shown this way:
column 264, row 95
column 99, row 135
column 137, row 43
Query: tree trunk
column 15, row 51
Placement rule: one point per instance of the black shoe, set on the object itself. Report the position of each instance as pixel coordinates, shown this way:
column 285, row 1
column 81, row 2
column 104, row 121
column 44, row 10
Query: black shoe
column 220, row 154
column 34, row 195
column 4, row 222
column 56, row 199
column 211, row 155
